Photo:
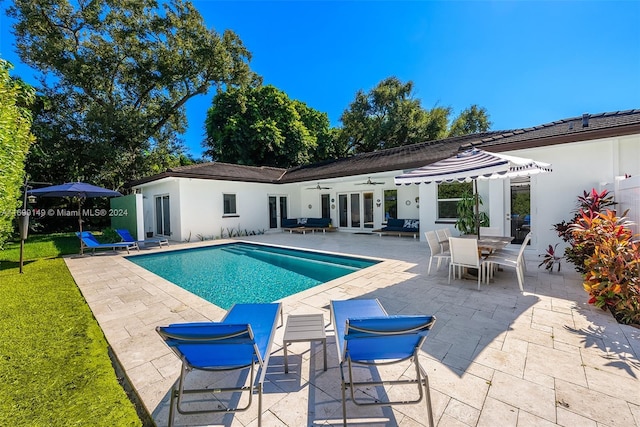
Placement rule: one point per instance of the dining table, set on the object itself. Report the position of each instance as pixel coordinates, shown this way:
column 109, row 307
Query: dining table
column 489, row 244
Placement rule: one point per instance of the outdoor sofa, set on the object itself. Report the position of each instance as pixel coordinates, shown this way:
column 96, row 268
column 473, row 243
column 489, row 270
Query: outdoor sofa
column 302, row 225
column 400, row 227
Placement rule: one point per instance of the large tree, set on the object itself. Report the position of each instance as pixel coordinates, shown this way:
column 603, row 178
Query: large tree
column 474, row 119
column 116, row 75
column 390, row 116
column 15, row 138
column 262, row 126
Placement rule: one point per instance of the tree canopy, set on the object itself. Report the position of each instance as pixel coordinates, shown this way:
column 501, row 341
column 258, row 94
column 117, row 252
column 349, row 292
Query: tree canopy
column 15, row 139
column 116, row 75
column 390, row 116
column 262, row 126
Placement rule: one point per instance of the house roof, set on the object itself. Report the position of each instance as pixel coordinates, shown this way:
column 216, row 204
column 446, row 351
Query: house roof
column 219, row 171
column 574, row 129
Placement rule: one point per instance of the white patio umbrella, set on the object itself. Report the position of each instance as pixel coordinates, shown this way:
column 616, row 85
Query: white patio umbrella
column 473, row 165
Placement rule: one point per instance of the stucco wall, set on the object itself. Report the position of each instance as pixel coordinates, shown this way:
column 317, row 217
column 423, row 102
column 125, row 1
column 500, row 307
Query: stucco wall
column 576, row 167
column 197, row 206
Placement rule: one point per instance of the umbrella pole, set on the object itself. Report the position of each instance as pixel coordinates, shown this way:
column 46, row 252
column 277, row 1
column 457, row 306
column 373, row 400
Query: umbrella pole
column 477, row 215
column 80, row 224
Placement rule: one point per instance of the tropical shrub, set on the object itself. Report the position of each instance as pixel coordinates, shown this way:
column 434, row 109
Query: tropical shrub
column 551, row 258
column 612, row 269
column 579, row 250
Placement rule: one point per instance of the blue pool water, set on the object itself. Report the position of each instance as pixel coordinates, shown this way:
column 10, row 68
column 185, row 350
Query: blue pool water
column 243, row 272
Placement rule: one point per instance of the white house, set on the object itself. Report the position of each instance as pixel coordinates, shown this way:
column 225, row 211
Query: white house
column 358, row 192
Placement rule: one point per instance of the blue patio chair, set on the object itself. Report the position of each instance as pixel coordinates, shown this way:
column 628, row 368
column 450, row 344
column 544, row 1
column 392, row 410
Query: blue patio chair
column 89, row 241
column 127, row 237
column 242, row 340
column 367, row 335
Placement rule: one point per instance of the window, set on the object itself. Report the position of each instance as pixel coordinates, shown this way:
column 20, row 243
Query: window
column 229, row 204
column 449, row 194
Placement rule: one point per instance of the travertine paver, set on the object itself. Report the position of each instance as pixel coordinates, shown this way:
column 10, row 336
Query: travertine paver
column 496, row 357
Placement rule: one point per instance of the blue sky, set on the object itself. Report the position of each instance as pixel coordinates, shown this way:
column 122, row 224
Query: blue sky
column 527, row 63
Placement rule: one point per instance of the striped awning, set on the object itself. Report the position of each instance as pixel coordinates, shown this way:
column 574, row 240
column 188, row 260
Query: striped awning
column 471, row 165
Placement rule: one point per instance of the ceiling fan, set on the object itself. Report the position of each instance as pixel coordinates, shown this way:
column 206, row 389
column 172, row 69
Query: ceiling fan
column 369, row 182
column 318, row 187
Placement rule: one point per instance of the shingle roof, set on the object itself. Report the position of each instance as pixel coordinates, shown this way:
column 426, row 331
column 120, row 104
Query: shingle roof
column 219, row 170
column 601, row 125
column 405, row 157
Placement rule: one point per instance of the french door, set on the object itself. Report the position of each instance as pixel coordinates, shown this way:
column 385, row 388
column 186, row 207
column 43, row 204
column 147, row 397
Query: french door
column 163, row 217
column 520, row 209
column 277, row 210
column 355, row 210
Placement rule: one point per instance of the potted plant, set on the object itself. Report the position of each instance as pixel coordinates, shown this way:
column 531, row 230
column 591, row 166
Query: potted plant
column 467, row 222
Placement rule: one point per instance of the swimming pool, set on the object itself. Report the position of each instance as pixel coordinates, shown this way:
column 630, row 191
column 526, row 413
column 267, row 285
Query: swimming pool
column 243, row 272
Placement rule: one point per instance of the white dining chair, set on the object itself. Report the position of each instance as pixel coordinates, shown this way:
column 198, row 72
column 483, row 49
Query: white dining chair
column 510, row 259
column 490, row 231
column 437, row 253
column 443, row 238
column 464, row 255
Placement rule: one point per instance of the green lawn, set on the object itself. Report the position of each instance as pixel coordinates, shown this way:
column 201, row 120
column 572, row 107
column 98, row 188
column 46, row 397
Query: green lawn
column 54, row 365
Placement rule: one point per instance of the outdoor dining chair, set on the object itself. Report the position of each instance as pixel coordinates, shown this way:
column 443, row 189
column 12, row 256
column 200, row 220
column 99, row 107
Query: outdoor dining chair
column 437, row 253
column 511, row 259
column 465, row 255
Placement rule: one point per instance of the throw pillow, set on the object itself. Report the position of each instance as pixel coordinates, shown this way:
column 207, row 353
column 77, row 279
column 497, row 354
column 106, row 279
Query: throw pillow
column 412, row 223
column 302, row 221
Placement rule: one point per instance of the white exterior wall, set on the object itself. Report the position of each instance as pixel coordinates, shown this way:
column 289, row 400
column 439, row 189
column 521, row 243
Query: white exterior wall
column 197, row 206
column 577, row 167
column 167, row 186
column 202, row 207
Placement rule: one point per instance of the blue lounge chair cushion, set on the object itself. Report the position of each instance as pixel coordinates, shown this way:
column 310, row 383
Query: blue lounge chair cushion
column 227, row 343
column 90, row 241
column 386, row 337
column 343, row 310
column 127, row 237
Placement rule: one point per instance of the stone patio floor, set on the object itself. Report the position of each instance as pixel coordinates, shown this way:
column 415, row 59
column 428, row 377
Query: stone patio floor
column 496, row 357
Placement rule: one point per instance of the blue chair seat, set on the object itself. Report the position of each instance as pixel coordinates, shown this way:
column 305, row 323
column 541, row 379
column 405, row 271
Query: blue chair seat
column 367, row 335
column 242, row 340
column 89, row 241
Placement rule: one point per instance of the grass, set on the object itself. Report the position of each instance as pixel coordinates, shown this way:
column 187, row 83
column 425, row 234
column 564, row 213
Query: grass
column 54, row 364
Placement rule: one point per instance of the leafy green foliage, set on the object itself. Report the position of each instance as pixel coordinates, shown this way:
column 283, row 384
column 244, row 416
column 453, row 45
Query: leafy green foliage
column 116, row 77
column 612, row 270
column 55, row 368
column 261, row 126
column 474, row 119
column 15, row 139
column 468, row 220
column 389, row 116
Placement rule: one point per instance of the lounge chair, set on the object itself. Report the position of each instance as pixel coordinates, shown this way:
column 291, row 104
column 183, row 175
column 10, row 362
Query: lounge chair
column 127, row 237
column 367, row 335
column 240, row 341
column 89, row 241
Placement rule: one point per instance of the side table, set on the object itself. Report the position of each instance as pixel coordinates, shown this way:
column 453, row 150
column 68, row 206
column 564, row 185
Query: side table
column 301, row 328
